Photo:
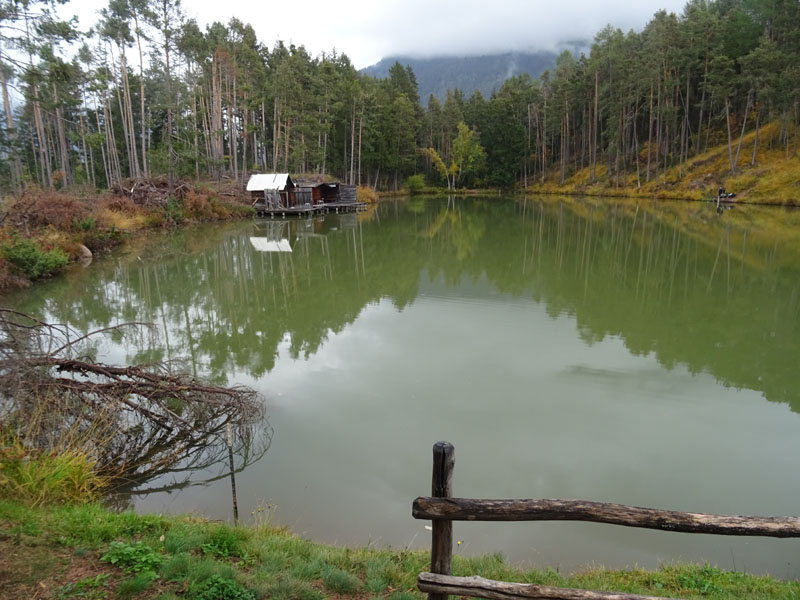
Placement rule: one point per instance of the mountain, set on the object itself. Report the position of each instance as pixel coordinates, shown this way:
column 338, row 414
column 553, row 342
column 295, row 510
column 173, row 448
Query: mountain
column 468, row 73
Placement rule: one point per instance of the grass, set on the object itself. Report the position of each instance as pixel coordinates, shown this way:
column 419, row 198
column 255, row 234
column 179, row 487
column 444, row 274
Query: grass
column 61, row 548
column 773, row 179
column 62, row 475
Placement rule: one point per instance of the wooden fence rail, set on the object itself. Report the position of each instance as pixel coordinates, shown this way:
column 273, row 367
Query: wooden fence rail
column 443, row 509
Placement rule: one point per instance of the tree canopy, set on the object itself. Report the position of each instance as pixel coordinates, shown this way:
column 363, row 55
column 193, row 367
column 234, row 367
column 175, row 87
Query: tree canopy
column 148, row 92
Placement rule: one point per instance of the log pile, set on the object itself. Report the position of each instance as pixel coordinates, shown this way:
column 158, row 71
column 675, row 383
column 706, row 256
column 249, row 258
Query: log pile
column 150, row 193
column 154, row 192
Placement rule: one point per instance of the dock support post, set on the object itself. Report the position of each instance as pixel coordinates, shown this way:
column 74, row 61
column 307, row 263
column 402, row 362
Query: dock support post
column 442, row 537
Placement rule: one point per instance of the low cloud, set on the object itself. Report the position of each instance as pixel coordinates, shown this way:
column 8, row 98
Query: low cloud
column 369, row 31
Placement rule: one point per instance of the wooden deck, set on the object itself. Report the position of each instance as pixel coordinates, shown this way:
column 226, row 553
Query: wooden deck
column 307, row 210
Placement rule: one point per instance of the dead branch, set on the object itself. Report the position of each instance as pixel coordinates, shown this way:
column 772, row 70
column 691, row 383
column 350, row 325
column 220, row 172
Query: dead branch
column 138, row 422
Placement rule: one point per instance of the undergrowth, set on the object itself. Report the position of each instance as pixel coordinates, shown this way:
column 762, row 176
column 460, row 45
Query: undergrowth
column 364, row 193
column 771, row 179
column 31, row 260
column 57, row 476
column 185, row 557
column 42, row 230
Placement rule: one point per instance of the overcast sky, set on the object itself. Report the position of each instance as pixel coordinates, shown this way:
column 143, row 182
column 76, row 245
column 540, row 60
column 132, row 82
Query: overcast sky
column 370, row 30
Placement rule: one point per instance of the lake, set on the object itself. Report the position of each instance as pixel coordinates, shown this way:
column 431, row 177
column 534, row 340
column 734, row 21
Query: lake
column 632, row 352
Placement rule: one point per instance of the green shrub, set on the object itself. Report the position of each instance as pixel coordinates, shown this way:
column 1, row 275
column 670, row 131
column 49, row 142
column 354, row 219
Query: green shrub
column 241, row 210
column 87, row 223
column 225, row 542
column 31, row 260
column 155, row 218
column 415, row 184
column 134, row 558
column 221, row 588
column 174, row 211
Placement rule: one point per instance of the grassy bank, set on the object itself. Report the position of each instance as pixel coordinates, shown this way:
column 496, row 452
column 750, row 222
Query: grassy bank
column 774, row 178
column 89, row 552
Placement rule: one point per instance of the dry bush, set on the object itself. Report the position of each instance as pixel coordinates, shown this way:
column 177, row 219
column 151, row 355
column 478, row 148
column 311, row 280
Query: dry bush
column 121, row 204
column 205, row 207
column 366, row 194
column 136, row 422
column 198, row 206
column 37, row 209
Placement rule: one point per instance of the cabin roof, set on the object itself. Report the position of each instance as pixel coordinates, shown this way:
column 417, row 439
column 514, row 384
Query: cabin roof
column 307, row 183
column 268, row 181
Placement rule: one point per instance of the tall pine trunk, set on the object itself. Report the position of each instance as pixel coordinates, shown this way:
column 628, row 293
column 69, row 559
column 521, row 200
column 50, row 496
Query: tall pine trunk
column 755, row 140
column 145, row 171
column 744, row 124
column 730, row 141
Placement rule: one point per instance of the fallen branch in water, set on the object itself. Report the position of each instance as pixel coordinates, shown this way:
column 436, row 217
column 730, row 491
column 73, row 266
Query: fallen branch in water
column 138, row 422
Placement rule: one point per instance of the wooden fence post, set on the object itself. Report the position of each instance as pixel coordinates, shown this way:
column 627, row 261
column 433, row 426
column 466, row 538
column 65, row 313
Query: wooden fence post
column 442, row 487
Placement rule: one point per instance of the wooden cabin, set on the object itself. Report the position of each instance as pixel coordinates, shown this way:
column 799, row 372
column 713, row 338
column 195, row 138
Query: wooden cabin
column 273, row 190
column 318, row 192
column 277, row 194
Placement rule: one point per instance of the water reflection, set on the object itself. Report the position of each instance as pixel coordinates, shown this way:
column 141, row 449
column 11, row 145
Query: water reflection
column 456, row 319
column 674, row 279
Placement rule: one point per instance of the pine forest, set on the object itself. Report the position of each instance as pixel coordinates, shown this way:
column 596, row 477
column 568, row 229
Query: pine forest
column 147, row 92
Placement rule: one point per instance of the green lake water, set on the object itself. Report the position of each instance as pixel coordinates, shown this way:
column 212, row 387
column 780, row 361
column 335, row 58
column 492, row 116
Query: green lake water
column 638, row 353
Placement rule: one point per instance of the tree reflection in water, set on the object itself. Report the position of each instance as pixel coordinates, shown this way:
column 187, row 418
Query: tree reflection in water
column 718, row 294
column 136, row 423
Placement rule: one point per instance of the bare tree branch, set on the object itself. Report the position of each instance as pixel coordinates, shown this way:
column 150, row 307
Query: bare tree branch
column 138, row 422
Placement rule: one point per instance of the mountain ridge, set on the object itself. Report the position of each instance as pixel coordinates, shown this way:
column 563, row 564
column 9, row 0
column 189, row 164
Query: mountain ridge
column 485, row 73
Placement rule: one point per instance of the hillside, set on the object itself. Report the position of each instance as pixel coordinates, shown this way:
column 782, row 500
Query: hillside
column 774, row 178
column 468, row 73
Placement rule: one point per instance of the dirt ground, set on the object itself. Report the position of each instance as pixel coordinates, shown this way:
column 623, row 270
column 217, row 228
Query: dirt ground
column 31, row 571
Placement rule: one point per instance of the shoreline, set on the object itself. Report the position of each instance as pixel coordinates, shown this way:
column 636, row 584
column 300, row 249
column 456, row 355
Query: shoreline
column 147, row 556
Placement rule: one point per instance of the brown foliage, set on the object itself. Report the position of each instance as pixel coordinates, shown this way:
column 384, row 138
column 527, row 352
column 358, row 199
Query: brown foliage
column 366, row 194
column 37, row 209
column 204, row 207
column 122, row 204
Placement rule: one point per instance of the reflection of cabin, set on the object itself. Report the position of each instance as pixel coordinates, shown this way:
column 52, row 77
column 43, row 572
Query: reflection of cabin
column 348, row 221
column 263, row 244
column 278, row 194
column 272, row 190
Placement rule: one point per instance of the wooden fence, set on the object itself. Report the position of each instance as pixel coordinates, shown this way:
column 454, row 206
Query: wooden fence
column 442, row 509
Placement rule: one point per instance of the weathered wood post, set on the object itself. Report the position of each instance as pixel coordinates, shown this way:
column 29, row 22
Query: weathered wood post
column 442, row 487
column 229, row 432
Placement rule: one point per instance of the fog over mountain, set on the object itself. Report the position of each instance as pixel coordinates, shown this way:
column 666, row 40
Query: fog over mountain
column 436, row 75
column 370, row 31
